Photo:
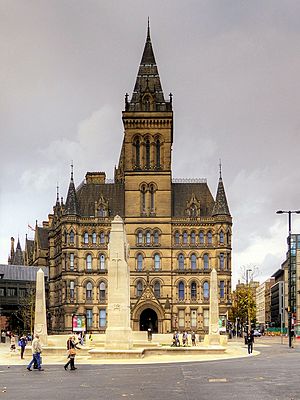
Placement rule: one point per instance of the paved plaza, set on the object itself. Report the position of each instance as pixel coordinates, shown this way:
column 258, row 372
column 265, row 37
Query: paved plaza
column 271, row 373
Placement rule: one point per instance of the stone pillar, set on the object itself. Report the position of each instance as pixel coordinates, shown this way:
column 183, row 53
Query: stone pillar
column 118, row 332
column 40, row 319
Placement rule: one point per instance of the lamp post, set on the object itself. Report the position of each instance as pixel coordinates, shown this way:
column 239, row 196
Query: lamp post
column 247, row 283
column 289, row 271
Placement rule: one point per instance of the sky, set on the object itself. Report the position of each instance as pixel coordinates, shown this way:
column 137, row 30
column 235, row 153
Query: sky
column 232, row 67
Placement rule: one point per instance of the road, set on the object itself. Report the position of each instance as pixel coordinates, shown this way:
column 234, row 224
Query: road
column 272, row 375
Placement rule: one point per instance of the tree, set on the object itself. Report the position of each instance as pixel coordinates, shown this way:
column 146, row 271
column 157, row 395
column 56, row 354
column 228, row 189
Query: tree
column 243, row 306
column 26, row 310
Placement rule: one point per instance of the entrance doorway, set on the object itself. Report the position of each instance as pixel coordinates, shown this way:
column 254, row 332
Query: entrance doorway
column 148, row 319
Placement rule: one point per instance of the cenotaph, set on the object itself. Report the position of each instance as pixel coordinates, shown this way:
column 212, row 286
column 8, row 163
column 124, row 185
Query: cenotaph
column 118, row 331
column 40, row 320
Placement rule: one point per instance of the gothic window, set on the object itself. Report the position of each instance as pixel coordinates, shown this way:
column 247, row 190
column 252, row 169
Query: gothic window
column 148, row 238
column 209, row 237
column 221, row 237
column 185, row 238
column 139, row 288
column 206, row 261
column 193, row 261
column 102, row 238
column 72, row 288
column 156, row 237
column 86, row 238
column 221, row 261
column 143, row 198
column 101, row 212
column 102, row 318
column 140, row 237
column 140, row 262
column 147, row 153
column 146, row 103
column 156, row 262
column 89, row 319
column 89, row 262
column 94, row 238
column 89, row 291
column 201, row 238
column 102, row 262
column 152, row 199
column 193, row 290
column 181, row 261
column 71, row 261
column 222, row 289
column 193, row 238
column 157, row 289
column 137, row 152
column 177, row 241
column 193, row 211
column 72, row 237
column 157, row 155
column 181, row 290
column 206, row 290
column 102, row 291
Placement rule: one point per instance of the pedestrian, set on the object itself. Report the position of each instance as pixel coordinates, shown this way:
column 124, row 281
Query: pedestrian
column 184, row 339
column 292, row 337
column 12, row 342
column 250, row 340
column 71, row 347
column 177, row 339
column 22, row 343
column 36, row 353
column 193, row 337
column 174, row 339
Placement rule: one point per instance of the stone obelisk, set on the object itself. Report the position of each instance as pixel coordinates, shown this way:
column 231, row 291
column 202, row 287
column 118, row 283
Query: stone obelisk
column 213, row 336
column 40, row 320
column 118, row 331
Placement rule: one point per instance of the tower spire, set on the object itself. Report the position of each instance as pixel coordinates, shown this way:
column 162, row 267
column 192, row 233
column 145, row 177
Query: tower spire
column 220, row 168
column 71, row 206
column 221, row 205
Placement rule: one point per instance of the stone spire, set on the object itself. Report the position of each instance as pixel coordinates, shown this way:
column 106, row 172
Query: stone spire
column 221, row 205
column 148, row 94
column 71, row 206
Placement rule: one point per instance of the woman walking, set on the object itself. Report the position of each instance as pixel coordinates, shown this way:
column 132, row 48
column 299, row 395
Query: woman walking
column 71, row 347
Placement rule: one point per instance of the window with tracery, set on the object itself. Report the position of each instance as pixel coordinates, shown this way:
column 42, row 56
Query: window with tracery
column 193, row 290
column 139, row 288
column 181, row 290
column 157, row 155
column 102, row 238
column 156, row 237
column 72, row 237
column 221, row 237
column 152, row 198
column 156, row 262
column 209, row 237
column 147, row 153
column 102, row 291
column 206, row 261
column 206, row 290
column 193, row 261
column 177, row 241
column 89, row 291
column 143, row 198
column 86, row 238
column 140, row 260
column 94, row 238
column 88, row 262
column 221, row 261
column 102, row 262
column 193, row 238
column 157, row 289
column 181, row 261
column 201, row 238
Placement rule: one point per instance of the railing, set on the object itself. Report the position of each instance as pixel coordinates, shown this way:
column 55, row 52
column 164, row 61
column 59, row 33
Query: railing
column 189, row 180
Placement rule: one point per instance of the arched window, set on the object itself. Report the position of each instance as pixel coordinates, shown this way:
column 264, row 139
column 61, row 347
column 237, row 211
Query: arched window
column 139, row 288
column 89, row 262
column 72, row 237
column 206, row 290
column 181, row 261
column 140, row 262
column 147, row 153
column 185, row 238
column 101, row 212
column 222, row 289
column 206, row 261
column 140, row 237
column 89, row 291
column 193, row 290
column 102, row 262
column 177, row 241
column 94, row 238
column 143, row 198
column 72, row 289
column 157, row 289
column 86, row 238
column 148, row 238
column 201, row 238
column 102, row 238
column 137, row 153
column 156, row 262
column 102, row 291
column 157, row 155
column 193, row 238
column 221, row 237
column 193, row 211
column 181, row 290
column 193, row 261
column 221, row 261
column 152, row 198
column 156, row 237
column 209, row 237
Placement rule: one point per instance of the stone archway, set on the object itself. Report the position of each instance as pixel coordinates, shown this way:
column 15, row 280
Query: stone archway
column 149, row 319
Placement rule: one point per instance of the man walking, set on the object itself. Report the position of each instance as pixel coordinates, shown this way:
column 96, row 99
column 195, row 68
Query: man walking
column 36, row 353
column 250, row 340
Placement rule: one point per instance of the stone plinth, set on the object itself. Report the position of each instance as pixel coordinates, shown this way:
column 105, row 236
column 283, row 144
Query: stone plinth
column 40, row 319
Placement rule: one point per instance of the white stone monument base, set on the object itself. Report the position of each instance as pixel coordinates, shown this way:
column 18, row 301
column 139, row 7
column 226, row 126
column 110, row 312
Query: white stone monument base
column 215, row 339
column 118, row 339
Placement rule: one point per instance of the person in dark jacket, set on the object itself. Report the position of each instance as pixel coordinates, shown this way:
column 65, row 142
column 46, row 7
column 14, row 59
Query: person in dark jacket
column 71, row 347
column 250, row 341
column 23, row 343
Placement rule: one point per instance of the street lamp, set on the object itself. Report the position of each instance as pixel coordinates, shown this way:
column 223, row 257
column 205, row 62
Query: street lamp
column 248, row 289
column 290, row 271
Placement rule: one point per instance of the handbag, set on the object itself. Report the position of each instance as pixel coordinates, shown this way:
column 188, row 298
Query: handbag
column 72, row 352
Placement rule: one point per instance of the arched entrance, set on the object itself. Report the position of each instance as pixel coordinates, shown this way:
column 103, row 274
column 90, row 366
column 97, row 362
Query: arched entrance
column 148, row 319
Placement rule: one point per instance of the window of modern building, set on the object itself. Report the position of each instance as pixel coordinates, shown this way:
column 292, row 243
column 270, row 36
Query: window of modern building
column 147, row 154
column 209, row 237
column 185, row 238
column 71, row 261
column 72, row 289
column 181, row 290
column 139, row 288
column 102, row 238
column 157, row 148
column 86, row 238
column 72, row 237
column 221, row 261
column 206, row 290
column 201, row 237
column 89, row 262
column 94, row 238
column 206, row 261
column 221, row 237
column 206, row 318
column 89, row 291
column 102, row 318
column 102, row 291
column 157, row 289
column 181, row 319
column 140, row 237
column 89, row 319
column 193, row 317
column 140, row 260
column 222, row 289
column 181, row 261
column 193, row 238
column 156, row 262
column 102, row 262
column 177, row 241
column 148, row 238
column 156, row 237
column 193, row 261
column 193, row 290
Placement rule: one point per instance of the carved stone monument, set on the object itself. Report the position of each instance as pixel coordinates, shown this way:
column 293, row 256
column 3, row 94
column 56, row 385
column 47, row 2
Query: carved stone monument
column 118, row 331
column 40, row 319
